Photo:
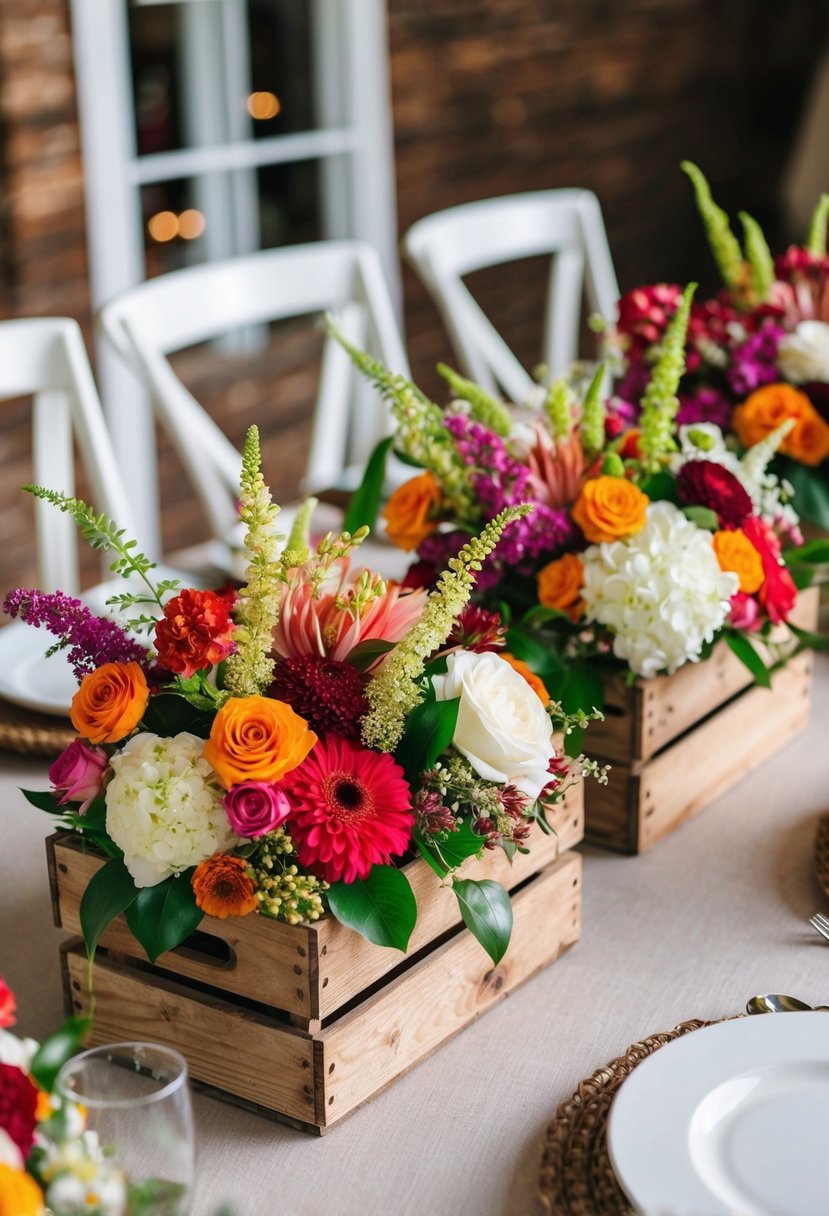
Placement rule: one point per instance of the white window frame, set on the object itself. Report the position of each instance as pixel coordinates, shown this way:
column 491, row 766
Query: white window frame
column 353, row 145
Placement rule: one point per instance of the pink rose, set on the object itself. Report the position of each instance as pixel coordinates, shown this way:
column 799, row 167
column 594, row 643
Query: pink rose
column 745, row 612
column 7, row 1005
column 78, row 773
column 255, row 807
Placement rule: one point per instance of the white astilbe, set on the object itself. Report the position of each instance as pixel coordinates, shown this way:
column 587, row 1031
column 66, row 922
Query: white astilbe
column 164, row 806
column 770, row 495
column 661, row 592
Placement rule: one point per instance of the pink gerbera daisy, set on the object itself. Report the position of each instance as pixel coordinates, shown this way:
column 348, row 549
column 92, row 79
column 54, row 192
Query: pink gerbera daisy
column 350, row 809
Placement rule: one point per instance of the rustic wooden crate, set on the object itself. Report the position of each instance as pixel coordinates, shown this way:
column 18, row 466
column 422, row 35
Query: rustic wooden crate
column 682, row 740
column 308, row 970
column 314, row 1076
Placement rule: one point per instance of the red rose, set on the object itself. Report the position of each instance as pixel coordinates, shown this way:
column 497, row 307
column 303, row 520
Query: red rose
column 7, row 1005
column 778, row 592
column 195, row 632
column 18, row 1103
column 704, row 483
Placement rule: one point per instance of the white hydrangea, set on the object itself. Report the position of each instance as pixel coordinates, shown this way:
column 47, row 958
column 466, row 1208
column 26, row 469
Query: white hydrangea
column 164, row 806
column 661, row 592
column 770, row 495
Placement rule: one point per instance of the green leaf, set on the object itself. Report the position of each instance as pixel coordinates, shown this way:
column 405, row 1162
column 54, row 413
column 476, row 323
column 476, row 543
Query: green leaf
column 809, row 640
column 811, row 492
column 453, row 851
column 703, row 517
column 660, row 487
column 381, row 907
column 539, row 657
column 747, row 655
column 814, row 552
column 91, row 826
column 169, row 714
column 579, row 688
column 365, row 654
column 487, row 914
column 429, row 731
column 59, row 1047
column 155, row 1197
column 365, row 501
column 109, row 892
column 44, row 800
column 541, row 614
column 163, row 916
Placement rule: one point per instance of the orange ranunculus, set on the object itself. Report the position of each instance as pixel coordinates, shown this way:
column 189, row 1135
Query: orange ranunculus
column 535, row 682
column 737, row 554
column 629, row 447
column 110, row 702
column 223, row 887
column 19, row 1194
column 765, row 410
column 257, row 739
column 411, row 511
column 609, row 508
column 559, row 585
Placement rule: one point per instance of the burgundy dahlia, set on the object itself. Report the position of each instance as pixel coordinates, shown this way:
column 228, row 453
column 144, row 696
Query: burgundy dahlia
column 328, row 694
column 478, row 630
column 704, row 483
column 18, row 1104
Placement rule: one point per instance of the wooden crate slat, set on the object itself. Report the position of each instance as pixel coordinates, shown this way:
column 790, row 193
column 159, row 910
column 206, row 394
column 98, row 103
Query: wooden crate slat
column 227, row 1046
column 373, row 1044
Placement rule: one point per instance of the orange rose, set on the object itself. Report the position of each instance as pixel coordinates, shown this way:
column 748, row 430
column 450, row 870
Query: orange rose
column 535, row 682
column 110, row 702
column 223, row 887
column 256, row 739
column 609, row 508
column 737, row 554
column 19, row 1194
column 765, row 410
column 410, row 512
column 559, row 585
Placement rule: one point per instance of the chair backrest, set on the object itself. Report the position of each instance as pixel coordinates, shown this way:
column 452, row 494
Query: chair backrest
column 565, row 223
column 185, row 307
column 46, row 357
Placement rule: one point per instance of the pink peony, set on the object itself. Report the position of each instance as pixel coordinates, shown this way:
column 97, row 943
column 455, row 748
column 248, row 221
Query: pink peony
column 78, row 773
column 255, row 808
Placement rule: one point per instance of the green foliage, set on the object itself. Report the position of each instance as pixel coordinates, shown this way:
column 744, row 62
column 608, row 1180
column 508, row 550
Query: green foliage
column 817, row 228
column 758, row 256
column 162, row 917
column 724, row 245
column 428, row 733
column 703, row 517
column 44, row 800
column 660, row 402
column 558, row 406
column 579, row 690
column 453, row 851
column 169, row 714
column 591, row 426
column 485, row 408
column 365, row 654
column 110, row 891
column 381, row 907
column 487, row 913
column 365, row 501
column 747, row 655
column 811, row 491
column 155, row 1197
column 91, row 826
column 59, row 1047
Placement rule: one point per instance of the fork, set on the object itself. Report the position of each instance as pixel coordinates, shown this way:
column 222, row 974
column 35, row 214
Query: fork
column 821, row 923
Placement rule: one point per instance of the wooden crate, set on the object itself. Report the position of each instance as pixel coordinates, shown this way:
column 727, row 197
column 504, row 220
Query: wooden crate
column 326, row 1019
column 675, row 742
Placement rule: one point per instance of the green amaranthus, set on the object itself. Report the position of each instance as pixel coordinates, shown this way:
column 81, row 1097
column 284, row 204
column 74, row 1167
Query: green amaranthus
column 483, row 407
column 660, row 402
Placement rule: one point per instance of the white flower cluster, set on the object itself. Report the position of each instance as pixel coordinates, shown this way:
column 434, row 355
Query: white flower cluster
column 661, row 592
column 164, row 806
column 704, row 441
column 804, row 355
column 81, row 1179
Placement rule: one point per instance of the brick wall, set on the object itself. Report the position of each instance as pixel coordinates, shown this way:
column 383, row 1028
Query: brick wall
column 488, row 99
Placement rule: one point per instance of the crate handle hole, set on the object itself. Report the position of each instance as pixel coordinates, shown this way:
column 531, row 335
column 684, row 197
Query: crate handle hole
column 208, row 950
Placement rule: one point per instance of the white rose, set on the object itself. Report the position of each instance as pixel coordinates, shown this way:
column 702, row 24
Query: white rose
column 804, row 355
column 503, row 729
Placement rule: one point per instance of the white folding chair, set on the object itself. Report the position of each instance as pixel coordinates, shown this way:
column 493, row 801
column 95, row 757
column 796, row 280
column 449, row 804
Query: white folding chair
column 200, row 303
column 565, row 223
column 46, row 357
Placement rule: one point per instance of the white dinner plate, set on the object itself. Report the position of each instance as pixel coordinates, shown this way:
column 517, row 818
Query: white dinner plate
column 29, row 679
column 730, row 1119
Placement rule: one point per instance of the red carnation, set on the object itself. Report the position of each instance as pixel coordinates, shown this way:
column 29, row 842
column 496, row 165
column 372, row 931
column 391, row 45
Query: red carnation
column 195, row 632
column 704, row 483
column 644, row 314
column 350, row 810
column 328, row 694
column 778, row 592
column 18, row 1104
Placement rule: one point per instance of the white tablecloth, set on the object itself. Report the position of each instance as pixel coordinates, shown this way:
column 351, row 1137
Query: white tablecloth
column 713, row 914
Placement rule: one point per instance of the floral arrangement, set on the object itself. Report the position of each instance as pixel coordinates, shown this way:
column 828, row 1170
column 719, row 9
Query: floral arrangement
column 282, row 751
column 646, row 545
column 47, row 1155
column 757, row 353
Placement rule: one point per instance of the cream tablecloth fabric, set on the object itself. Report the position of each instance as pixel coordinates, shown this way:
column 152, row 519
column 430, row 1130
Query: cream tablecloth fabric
column 715, row 913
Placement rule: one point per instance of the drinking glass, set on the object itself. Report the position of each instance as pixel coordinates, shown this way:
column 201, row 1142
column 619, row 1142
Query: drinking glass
column 137, row 1102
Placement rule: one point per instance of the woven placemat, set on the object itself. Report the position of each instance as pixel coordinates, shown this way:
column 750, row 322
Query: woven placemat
column 31, row 734
column 576, row 1177
column 822, row 853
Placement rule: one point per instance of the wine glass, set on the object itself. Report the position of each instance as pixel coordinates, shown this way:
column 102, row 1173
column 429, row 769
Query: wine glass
column 137, row 1103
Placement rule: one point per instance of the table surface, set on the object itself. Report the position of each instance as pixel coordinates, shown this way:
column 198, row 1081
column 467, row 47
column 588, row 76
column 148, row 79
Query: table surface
column 715, row 913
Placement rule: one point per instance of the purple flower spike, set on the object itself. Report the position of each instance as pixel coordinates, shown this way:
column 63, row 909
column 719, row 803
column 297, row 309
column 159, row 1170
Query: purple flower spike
column 92, row 640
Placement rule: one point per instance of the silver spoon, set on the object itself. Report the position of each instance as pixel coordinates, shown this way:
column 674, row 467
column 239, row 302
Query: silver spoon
column 777, row 1002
